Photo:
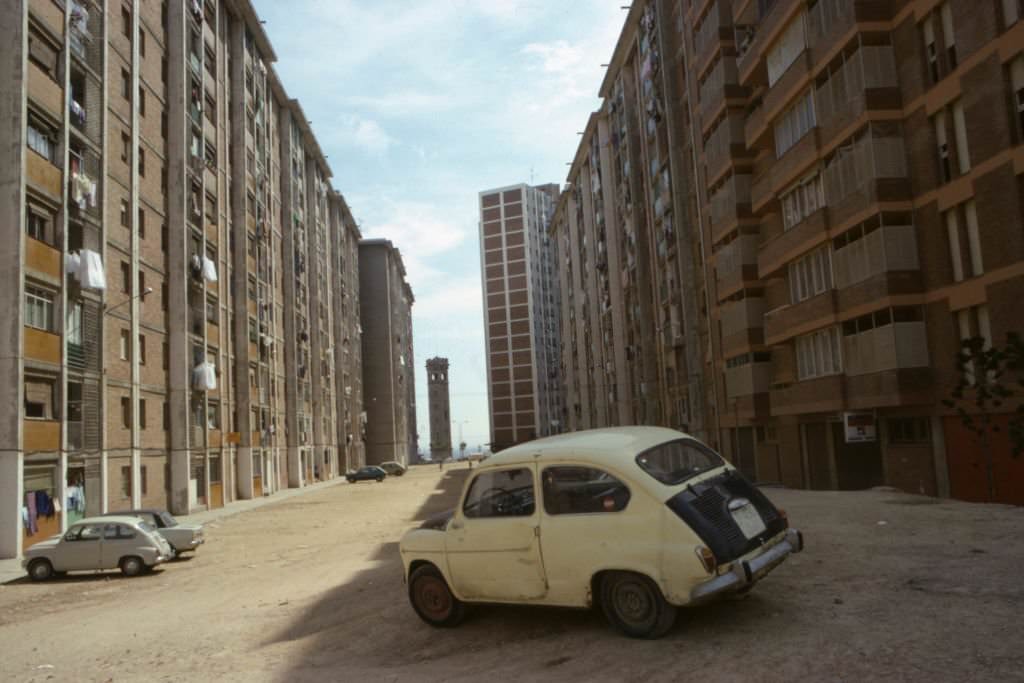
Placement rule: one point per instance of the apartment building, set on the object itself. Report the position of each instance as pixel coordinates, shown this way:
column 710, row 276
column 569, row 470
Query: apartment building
column 634, row 333
column 439, row 409
column 851, row 170
column 172, row 265
column 389, row 396
column 520, row 291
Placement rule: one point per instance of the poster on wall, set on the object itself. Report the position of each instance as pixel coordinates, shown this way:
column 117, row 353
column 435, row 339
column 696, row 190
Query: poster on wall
column 860, row 427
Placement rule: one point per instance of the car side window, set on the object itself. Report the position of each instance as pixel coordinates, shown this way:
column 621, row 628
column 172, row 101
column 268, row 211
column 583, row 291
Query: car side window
column 88, row 532
column 504, row 493
column 124, row 531
column 110, row 532
column 571, row 490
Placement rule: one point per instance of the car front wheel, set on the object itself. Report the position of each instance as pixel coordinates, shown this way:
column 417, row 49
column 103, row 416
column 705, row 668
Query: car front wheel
column 132, row 566
column 433, row 600
column 40, row 570
column 633, row 604
column 380, row 479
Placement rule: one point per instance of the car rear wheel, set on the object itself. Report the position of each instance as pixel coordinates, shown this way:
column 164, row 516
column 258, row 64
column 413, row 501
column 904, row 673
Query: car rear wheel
column 433, row 600
column 633, row 604
column 40, row 570
column 380, row 479
column 132, row 566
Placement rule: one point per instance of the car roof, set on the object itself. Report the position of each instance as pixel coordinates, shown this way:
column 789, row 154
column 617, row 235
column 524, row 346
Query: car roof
column 108, row 519
column 612, row 445
column 139, row 511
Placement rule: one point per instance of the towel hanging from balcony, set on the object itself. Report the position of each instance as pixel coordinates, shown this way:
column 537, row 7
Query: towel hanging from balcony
column 209, row 270
column 90, row 271
column 204, row 377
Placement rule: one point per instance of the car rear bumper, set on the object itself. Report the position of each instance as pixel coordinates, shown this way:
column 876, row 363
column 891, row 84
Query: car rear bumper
column 751, row 570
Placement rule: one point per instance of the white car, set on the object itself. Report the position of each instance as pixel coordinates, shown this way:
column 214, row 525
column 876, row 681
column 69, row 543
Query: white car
column 639, row 520
column 126, row 543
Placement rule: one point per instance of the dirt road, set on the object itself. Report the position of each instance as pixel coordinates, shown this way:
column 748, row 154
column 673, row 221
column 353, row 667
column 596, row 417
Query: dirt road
column 891, row 586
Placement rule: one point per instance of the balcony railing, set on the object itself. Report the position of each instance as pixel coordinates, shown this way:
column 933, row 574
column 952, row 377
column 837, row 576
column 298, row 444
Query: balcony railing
column 735, row 263
column 740, row 316
column 841, row 98
column 869, row 157
column 730, row 203
column 751, row 378
column 712, row 90
column 719, row 147
column 889, row 347
column 886, row 249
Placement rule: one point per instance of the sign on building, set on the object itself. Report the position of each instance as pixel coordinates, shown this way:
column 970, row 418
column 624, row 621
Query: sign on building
column 860, row 427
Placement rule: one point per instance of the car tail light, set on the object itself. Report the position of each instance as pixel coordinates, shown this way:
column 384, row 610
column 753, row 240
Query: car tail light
column 784, row 516
column 707, row 558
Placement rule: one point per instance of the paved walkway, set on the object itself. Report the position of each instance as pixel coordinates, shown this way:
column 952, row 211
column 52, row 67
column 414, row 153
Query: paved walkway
column 11, row 570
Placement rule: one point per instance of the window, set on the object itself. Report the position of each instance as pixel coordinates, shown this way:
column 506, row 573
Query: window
column 39, row 223
column 930, row 51
column 582, row 490
column 142, row 285
column 126, row 85
column 818, row 354
column 142, row 413
column 142, row 223
column 163, row 69
column 1017, row 92
column 126, row 344
column 126, row 412
column 963, row 156
column 126, row 278
column 806, row 197
column 674, row 462
column 41, row 139
column 73, row 329
column 42, row 52
column 1011, row 12
column 142, row 42
column 142, row 101
column 786, row 49
column 504, row 493
column 126, row 145
column 962, row 230
column 167, row 416
column 810, row 275
column 163, row 125
column 164, row 237
column 142, row 349
column 124, row 213
column 126, row 22
column 39, row 398
column 166, row 356
column 948, row 35
column 118, row 531
column 38, row 308
column 794, row 123
column 142, row 162
column 213, row 415
column 945, row 169
column 86, row 532
column 907, row 430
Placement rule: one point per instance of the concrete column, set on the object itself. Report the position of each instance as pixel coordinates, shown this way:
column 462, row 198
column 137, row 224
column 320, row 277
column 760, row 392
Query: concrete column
column 13, row 54
column 942, row 485
column 313, row 223
column 291, row 390
column 134, row 291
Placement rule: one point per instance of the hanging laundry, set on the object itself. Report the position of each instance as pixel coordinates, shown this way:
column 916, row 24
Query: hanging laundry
column 30, row 504
column 77, row 112
column 72, row 265
column 209, row 270
column 44, row 505
column 90, row 271
column 204, row 377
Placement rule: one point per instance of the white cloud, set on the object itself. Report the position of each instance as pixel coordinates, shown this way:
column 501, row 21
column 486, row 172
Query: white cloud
column 453, row 297
column 356, row 131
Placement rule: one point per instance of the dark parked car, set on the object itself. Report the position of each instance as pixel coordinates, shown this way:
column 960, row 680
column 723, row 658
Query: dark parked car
column 370, row 473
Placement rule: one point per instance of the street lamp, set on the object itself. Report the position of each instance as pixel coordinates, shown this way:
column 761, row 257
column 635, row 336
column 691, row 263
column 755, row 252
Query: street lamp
column 147, row 290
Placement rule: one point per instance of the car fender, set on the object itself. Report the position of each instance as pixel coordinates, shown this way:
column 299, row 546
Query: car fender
column 424, row 545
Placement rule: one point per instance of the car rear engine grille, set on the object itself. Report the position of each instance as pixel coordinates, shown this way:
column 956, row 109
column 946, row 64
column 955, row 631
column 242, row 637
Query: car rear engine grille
column 705, row 507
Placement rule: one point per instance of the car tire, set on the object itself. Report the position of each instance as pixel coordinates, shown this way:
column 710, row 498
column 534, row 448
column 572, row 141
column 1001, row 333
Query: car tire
column 132, row 565
column 633, row 604
column 433, row 600
column 40, row 570
column 380, row 480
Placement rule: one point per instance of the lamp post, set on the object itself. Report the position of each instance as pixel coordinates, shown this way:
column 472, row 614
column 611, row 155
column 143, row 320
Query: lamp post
column 147, row 290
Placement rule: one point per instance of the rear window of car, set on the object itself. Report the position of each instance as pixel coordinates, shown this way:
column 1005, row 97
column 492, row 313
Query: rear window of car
column 674, row 462
column 571, row 490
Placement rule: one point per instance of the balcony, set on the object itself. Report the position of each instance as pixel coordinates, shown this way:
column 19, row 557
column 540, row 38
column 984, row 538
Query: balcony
column 896, row 345
column 756, row 127
column 45, row 92
column 903, row 386
column 781, row 93
column 724, row 146
column 42, row 174
column 718, row 85
column 818, row 395
column 786, row 322
column 748, row 379
column 779, row 250
column 40, row 435
column 753, row 39
column 75, row 435
column 51, row 14
column 742, row 324
column 42, row 258
column 41, row 345
column 885, row 249
column 871, row 169
column 795, row 160
column 735, row 264
column 866, row 80
column 729, row 205
column 708, row 37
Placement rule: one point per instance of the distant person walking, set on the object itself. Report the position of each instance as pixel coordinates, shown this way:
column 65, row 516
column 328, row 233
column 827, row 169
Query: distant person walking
column 440, row 465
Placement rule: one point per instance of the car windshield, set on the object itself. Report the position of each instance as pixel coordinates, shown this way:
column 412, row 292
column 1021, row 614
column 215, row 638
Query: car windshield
column 168, row 520
column 674, row 462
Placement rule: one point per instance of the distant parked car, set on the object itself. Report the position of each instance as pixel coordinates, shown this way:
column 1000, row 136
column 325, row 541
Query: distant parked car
column 182, row 537
column 369, row 473
column 395, row 469
column 126, row 543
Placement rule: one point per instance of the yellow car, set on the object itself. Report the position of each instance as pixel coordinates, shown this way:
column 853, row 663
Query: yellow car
column 639, row 520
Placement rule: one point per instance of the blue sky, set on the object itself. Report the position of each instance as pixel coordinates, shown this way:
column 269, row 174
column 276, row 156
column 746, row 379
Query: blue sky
column 419, row 105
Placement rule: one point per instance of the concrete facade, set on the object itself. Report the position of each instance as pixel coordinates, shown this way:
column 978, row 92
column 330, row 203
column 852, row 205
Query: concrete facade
column 388, row 372
column 797, row 230
column 156, row 141
column 520, row 290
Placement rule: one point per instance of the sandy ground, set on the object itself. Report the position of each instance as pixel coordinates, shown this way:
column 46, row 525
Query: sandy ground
column 310, row 589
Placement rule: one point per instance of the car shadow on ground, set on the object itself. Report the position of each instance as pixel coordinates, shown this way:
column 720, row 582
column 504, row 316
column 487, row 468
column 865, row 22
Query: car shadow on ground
column 82, row 577
column 351, row 626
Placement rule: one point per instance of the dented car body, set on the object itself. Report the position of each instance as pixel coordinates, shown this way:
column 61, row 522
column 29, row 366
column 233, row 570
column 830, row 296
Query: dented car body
column 639, row 520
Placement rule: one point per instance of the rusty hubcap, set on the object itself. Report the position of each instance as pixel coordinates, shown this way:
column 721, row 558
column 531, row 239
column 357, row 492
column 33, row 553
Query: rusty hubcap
column 433, row 597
